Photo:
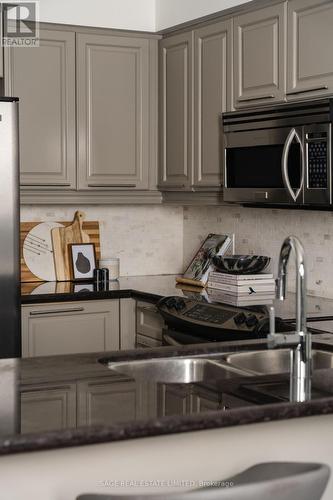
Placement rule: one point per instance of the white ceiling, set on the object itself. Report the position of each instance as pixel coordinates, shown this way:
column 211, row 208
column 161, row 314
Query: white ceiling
column 146, row 15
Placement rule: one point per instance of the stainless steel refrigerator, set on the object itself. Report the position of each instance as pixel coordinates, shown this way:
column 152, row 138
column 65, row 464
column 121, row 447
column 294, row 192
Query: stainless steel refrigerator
column 10, row 325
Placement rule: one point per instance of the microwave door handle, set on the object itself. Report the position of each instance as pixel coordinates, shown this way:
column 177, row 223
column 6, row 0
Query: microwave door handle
column 293, row 134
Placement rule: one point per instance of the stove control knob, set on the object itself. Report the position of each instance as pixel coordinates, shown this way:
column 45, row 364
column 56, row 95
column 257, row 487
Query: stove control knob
column 251, row 321
column 170, row 303
column 239, row 319
column 180, row 304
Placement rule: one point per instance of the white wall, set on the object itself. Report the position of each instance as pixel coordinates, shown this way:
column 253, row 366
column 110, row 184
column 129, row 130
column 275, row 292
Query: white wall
column 146, row 15
column 122, row 14
column 172, row 12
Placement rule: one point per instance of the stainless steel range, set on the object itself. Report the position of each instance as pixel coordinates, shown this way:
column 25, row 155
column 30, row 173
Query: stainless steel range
column 191, row 321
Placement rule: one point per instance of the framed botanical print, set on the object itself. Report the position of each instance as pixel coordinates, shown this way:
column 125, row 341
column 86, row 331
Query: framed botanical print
column 83, row 261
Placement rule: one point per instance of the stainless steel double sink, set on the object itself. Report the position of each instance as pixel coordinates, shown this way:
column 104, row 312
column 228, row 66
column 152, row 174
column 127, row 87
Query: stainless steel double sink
column 200, row 369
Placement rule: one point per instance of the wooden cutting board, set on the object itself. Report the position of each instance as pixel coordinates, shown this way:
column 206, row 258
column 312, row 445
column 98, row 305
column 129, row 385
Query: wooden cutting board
column 38, row 251
column 62, row 237
column 89, row 227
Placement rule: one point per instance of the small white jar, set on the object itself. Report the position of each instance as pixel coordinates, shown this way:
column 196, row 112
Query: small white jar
column 113, row 265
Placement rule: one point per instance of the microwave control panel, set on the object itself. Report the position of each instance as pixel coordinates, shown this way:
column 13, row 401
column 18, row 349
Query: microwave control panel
column 317, row 160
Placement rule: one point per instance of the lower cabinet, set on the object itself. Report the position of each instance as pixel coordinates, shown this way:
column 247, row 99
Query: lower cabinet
column 184, row 400
column 101, row 402
column 105, row 401
column 174, row 400
column 46, row 408
column 70, row 327
column 204, row 400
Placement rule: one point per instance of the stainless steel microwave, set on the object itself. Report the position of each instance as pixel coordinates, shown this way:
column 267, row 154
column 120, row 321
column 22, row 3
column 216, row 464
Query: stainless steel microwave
column 279, row 155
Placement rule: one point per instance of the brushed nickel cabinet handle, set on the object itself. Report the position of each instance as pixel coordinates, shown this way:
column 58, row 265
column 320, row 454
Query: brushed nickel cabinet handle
column 311, row 89
column 54, row 184
column 56, row 311
column 172, row 186
column 248, row 99
column 112, row 185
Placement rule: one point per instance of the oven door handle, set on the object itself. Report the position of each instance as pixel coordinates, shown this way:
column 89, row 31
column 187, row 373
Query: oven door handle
column 293, row 134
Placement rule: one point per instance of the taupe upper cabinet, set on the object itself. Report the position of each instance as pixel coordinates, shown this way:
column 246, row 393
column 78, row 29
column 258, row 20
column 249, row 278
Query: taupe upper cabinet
column 112, row 111
column 176, row 112
column 259, row 56
column 310, row 42
column 212, row 96
column 44, row 79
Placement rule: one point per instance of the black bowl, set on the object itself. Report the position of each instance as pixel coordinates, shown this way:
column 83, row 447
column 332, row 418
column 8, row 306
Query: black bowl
column 241, row 264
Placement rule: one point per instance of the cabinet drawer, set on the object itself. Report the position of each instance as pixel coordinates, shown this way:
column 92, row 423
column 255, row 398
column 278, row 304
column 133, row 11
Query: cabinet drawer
column 148, row 321
column 68, row 328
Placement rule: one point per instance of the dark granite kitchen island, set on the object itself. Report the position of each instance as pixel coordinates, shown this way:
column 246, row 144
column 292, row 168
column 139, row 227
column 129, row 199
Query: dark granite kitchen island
column 77, row 371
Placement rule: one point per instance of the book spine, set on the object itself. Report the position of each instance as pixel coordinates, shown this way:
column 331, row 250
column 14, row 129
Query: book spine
column 235, row 278
column 239, row 303
column 243, row 289
column 265, row 282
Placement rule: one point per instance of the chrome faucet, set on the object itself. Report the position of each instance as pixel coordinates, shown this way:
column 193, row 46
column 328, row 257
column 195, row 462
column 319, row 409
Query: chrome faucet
column 300, row 340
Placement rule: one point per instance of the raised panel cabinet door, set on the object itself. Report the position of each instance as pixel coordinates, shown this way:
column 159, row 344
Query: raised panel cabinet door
column 310, row 42
column 48, row 408
column 44, row 79
column 104, row 402
column 173, row 400
column 205, row 400
column 259, row 56
column 113, row 111
column 69, row 328
column 176, row 112
column 212, row 96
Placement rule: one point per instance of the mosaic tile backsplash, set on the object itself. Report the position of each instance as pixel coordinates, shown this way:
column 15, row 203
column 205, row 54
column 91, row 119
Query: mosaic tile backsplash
column 147, row 239
column 261, row 231
column 162, row 239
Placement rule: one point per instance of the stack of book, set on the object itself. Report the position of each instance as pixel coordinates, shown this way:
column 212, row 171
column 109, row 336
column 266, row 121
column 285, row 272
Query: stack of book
column 241, row 289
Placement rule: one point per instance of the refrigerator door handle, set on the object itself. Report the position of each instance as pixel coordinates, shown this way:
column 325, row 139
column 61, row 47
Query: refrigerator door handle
column 293, row 134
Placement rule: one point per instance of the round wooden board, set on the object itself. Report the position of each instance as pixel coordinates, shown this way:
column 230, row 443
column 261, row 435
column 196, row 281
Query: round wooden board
column 38, row 251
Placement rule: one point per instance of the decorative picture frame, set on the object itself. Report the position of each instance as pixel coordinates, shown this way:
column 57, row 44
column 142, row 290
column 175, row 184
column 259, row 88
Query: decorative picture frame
column 83, row 261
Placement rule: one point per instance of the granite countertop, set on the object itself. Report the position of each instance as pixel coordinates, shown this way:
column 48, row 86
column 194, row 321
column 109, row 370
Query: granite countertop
column 151, row 289
column 148, row 288
column 261, row 397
